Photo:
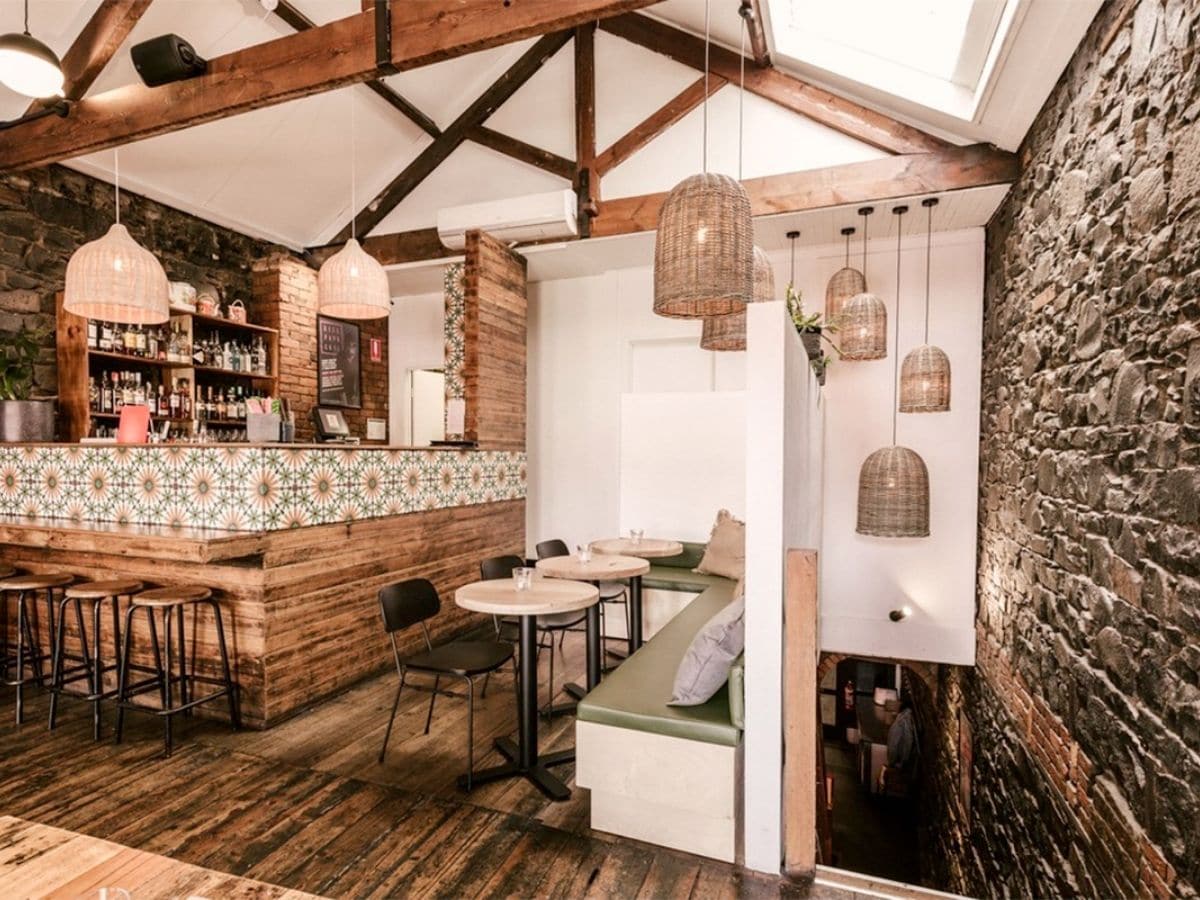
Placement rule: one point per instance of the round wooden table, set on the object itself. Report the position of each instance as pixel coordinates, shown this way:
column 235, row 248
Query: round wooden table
column 500, row 597
column 605, row 567
column 646, row 548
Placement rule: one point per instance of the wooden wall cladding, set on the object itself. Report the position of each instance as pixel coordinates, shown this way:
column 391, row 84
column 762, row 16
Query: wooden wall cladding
column 495, row 335
column 300, row 606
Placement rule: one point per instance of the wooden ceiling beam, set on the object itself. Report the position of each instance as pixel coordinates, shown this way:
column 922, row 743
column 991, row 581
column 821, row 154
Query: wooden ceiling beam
column 877, row 180
column 756, row 28
column 523, row 152
column 455, row 134
column 585, row 111
column 821, row 106
column 291, row 67
column 658, row 122
column 96, row 44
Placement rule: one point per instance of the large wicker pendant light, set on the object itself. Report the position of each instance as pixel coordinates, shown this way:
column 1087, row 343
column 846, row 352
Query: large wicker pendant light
column 925, row 373
column 704, row 248
column 893, row 484
column 114, row 278
column 864, row 317
column 352, row 284
column 845, row 283
column 729, row 332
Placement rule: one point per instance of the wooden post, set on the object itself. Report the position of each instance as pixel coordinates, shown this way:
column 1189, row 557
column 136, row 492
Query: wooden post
column 801, row 648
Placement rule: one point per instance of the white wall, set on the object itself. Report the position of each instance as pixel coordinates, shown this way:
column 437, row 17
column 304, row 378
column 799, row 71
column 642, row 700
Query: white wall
column 415, row 341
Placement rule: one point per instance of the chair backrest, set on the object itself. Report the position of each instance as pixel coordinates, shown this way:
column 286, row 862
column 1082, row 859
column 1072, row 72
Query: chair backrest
column 549, row 549
column 407, row 603
column 499, row 567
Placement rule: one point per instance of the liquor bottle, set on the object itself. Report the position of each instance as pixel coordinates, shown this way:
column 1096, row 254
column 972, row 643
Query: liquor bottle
column 93, row 334
column 106, row 393
column 199, row 356
column 128, row 340
column 106, row 337
column 118, row 394
column 152, row 343
column 139, row 340
column 139, row 392
column 186, row 408
column 173, row 401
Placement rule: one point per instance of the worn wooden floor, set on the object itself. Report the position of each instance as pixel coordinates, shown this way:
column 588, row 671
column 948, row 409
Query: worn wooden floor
column 306, row 806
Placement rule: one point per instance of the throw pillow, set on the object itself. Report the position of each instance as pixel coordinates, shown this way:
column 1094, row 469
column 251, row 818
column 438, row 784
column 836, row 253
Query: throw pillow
column 705, row 666
column 726, row 551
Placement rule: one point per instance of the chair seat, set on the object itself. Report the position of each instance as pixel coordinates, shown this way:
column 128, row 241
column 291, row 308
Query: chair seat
column 99, row 590
column 172, row 596
column 33, row 582
column 462, row 657
column 611, row 590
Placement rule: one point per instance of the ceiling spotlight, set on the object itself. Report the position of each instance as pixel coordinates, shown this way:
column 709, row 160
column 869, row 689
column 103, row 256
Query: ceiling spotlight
column 899, row 615
column 28, row 66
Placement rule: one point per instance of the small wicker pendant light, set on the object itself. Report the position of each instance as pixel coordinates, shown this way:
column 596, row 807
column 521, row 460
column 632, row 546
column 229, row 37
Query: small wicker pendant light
column 352, row 284
column 893, row 484
column 864, row 317
column 845, row 283
column 704, row 248
column 925, row 373
column 115, row 279
column 729, row 332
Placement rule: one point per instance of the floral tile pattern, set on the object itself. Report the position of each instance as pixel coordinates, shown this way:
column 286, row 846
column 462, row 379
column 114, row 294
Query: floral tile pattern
column 248, row 488
column 455, row 333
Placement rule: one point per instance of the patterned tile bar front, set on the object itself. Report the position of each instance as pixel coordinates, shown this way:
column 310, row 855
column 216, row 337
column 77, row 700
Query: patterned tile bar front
column 246, row 488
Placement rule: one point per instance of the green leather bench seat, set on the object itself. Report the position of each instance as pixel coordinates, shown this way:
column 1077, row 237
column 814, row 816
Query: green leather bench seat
column 670, row 578
column 635, row 696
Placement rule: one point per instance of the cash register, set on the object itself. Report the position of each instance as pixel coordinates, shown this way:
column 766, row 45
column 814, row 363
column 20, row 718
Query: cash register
column 330, row 426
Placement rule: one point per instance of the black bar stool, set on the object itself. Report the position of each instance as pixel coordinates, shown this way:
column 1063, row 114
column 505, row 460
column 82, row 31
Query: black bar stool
column 172, row 600
column 28, row 650
column 93, row 666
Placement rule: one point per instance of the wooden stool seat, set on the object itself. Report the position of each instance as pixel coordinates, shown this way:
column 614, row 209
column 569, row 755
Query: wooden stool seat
column 33, row 582
column 172, row 596
column 99, row 590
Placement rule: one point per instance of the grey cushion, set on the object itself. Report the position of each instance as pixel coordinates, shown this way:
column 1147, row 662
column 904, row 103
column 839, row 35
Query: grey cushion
column 705, row 666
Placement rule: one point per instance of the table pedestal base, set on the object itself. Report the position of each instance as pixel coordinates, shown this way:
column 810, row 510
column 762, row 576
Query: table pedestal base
column 536, row 773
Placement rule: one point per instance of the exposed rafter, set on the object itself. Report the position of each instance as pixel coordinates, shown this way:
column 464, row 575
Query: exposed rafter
column 100, row 38
column 524, row 152
column 657, row 122
column 299, row 65
column 456, row 133
column 880, row 180
column 836, row 112
column 585, row 108
column 756, row 28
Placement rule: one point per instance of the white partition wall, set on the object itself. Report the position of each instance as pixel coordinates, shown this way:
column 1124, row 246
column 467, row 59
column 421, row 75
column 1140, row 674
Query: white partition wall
column 784, row 442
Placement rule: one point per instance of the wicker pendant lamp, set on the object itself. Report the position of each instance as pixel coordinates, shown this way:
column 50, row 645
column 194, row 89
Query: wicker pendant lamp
column 893, row 484
column 352, row 284
column 925, row 373
column 864, row 317
column 729, row 332
column 846, row 282
column 115, row 279
column 704, row 247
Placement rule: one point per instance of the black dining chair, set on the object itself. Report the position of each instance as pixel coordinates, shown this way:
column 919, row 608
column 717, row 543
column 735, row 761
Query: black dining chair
column 498, row 567
column 414, row 602
column 614, row 592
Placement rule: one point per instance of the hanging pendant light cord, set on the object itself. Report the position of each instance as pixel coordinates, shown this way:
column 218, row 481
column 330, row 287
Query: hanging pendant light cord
column 847, row 251
column 353, row 173
column 928, row 256
column 792, row 280
column 896, row 346
column 27, row 16
column 741, row 99
column 117, row 179
column 704, row 158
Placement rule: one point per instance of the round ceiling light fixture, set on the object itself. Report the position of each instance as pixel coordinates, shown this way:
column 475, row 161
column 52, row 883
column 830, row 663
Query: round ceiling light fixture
column 28, row 66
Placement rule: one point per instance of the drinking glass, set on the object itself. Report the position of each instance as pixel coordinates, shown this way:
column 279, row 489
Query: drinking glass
column 636, row 534
column 585, row 554
column 523, row 578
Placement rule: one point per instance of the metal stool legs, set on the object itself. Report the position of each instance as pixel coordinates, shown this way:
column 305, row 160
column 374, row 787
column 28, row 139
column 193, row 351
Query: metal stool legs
column 93, row 667
column 28, row 652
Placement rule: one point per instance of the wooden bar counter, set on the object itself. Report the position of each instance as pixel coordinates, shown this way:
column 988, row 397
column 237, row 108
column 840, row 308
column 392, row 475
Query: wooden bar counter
column 316, row 531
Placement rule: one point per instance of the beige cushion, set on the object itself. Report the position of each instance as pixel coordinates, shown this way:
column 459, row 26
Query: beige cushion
column 725, row 554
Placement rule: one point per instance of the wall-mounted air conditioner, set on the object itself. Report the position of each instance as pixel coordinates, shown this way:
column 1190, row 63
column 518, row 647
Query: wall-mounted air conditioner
column 533, row 217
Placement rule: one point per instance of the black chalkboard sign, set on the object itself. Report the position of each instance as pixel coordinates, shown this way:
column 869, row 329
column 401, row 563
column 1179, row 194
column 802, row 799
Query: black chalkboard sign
column 339, row 381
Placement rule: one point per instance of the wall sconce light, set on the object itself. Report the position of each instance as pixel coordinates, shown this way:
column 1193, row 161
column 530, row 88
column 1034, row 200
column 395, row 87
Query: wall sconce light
column 899, row 615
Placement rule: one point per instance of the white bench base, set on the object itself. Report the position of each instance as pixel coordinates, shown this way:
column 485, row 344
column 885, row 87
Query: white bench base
column 674, row 792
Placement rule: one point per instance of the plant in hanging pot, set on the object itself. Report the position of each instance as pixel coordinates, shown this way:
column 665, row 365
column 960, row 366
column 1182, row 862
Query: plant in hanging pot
column 812, row 330
column 23, row 418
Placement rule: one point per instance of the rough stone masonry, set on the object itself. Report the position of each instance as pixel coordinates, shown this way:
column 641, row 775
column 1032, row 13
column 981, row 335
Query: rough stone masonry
column 1085, row 704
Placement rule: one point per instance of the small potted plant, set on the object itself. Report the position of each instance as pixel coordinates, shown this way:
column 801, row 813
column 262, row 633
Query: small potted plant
column 812, row 330
column 23, row 418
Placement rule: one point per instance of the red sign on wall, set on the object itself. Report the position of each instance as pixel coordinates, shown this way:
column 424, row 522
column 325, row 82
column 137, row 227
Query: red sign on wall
column 376, row 349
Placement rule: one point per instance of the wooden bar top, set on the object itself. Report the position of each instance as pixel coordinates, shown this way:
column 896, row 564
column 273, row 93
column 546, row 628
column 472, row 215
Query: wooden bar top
column 181, row 544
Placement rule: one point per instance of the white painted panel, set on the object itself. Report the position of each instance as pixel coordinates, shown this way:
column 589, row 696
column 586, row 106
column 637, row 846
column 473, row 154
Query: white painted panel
column 682, row 459
column 672, row 364
column 427, row 406
column 415, row 341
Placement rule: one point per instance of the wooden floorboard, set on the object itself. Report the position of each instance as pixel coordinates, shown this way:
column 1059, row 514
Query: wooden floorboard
column 307, row 806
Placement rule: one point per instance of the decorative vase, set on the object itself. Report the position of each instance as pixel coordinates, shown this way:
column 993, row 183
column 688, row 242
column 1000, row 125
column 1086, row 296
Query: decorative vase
column 26, row 421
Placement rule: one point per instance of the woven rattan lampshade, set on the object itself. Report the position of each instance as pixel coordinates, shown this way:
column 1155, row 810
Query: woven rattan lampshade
column 729, row 332
column 864, row 328
column 893, row 494
column 352, row 284
column 704, row 250
column 925, row 380
column 846, row 282
column 115, row 279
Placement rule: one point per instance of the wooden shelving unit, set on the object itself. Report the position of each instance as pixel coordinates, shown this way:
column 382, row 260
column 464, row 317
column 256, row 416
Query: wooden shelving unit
column 77, row 362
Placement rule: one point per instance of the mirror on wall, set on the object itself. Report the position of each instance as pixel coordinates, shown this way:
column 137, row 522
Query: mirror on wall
column 425, row 406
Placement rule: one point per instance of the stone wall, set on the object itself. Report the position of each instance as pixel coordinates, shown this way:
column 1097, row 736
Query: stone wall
column 1084, row 709
column 46, row 214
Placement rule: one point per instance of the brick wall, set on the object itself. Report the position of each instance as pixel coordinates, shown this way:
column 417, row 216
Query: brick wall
column 1085, row 704
column 285, row 297
column 46, row 214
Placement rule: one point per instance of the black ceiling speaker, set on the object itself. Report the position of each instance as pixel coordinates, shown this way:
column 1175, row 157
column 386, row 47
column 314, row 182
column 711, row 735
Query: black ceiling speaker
column 168, row 58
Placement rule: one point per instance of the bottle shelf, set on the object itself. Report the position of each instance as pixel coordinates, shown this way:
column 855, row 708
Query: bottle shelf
column 155, row 416
column 213, row 370
column 219, row 322
column 223, row 423
column 131, row 359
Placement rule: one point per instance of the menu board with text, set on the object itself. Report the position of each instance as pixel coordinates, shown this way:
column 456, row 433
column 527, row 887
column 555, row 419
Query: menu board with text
column 339, row 380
